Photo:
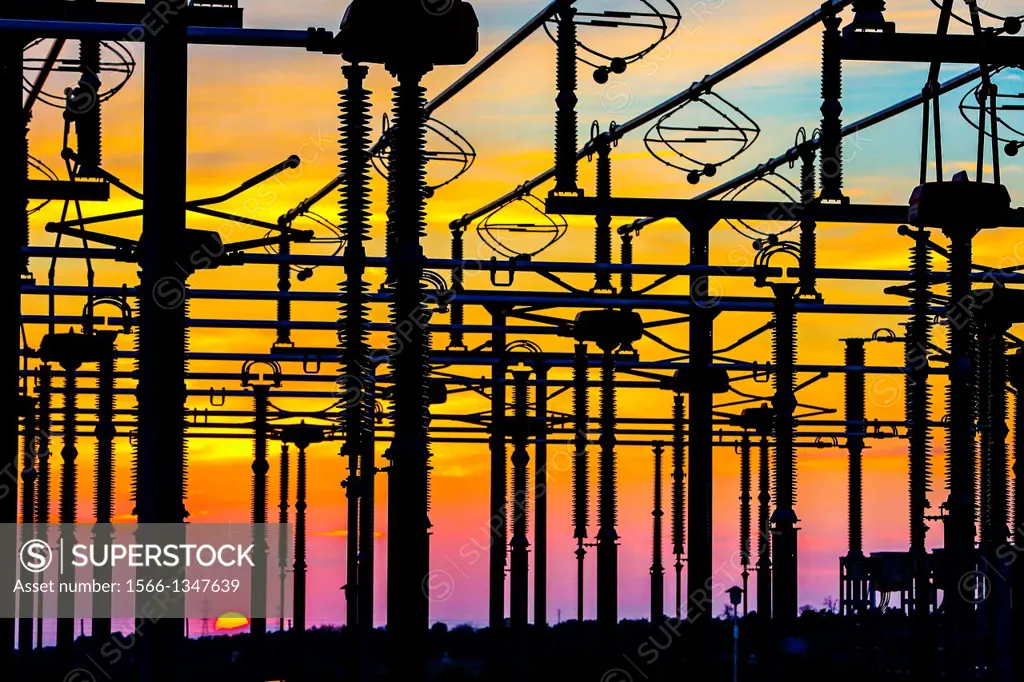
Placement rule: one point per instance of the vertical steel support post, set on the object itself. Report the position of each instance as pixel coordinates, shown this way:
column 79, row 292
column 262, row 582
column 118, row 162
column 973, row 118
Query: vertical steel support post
column 1016, row 374
column 409, row 478
column 986, row 568
column 14, row 181
column 28, row 512
column 918, row 402
column 982, row 368
column 457, row 338
column 86, row 107
column 540, row 497
column 284, row 285
column 784, row 517
column 626, row 256
column 566, row 133
column 808, row 229
column 68, row 507
column 43, row 452
column 961, row 507
column 389, row 226
column 519, row 578
column 854, row 397
column 499, row 475
column 299, row 564
column 580, row 466
column 626, row 279
column 657, row 568
column 607, row 535
column 603, row 229
column 678, row 494
column 367, row 478
column 764, row 528
column 854, row 402
column 353, row 324
column 519, row 585
column 282, row 538
column 745, row 482
column 302, row 438
column 917, row 415
column 701, row 437
column 997, row 562
column 260, row 467
column 161, row 446
column 830, row 165
column 104, row 495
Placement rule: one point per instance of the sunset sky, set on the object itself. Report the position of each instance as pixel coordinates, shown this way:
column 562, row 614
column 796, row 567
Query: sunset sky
column 251, row 108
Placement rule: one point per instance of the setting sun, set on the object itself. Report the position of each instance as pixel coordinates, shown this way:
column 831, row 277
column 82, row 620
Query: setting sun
column 231, row 620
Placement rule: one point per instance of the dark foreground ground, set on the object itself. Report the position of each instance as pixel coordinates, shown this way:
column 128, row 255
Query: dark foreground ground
column 825, row 647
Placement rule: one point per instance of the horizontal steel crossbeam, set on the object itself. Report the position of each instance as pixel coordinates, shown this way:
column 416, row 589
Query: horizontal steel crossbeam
column 928, row 48
column 745, row 210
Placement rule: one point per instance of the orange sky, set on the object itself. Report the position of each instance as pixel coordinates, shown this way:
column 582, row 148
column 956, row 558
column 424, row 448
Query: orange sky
column 251, row 108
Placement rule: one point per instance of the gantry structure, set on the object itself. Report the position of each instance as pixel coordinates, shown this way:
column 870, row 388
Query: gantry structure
column 395, row 394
